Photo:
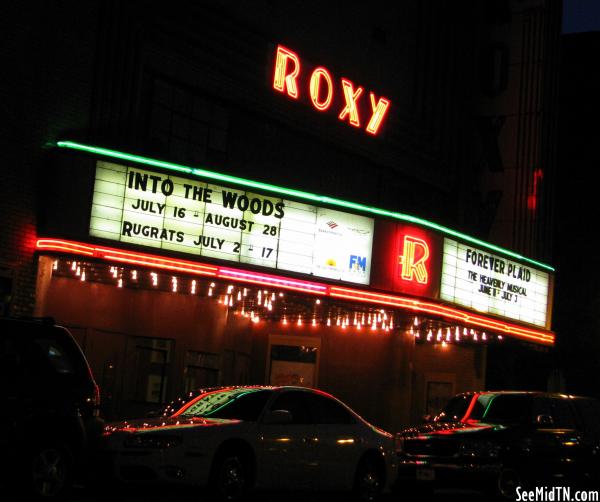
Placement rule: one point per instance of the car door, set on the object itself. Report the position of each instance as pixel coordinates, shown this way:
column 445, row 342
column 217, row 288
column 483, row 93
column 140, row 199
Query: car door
column 569, row 436
column 558, row 445
column 588, row 411
column 338, row 441
column 286, row 456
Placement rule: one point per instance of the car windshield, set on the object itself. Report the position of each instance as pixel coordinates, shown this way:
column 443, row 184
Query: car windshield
column 176, row 406
column 503, row 409
column 239, row 403
column 455, row 410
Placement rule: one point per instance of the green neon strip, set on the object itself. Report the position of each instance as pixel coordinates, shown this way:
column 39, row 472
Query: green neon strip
column 323, row 199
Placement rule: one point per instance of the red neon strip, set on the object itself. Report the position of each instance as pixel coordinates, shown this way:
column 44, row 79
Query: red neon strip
column 60, row 245
column 125, row 257
column 449, row 312
column 267, row 280
column 164, row 266
column 160, row 262
column 414, row 305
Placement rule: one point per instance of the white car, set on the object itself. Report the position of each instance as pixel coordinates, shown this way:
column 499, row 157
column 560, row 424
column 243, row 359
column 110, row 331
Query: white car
column 235, row 439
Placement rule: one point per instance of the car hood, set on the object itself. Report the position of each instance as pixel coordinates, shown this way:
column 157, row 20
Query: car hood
column 445, row 429
column 166, row 423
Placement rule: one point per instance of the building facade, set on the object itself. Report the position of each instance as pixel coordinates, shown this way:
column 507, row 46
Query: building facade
column 383, row 129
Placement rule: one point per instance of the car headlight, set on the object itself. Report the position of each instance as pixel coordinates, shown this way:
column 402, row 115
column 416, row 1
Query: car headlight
column 156, row 441
column 473, row 448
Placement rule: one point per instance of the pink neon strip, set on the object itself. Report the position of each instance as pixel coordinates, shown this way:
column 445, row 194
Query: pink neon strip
column 258, row 278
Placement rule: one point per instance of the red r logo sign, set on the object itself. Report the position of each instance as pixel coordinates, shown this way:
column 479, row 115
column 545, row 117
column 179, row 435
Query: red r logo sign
column 413, row 260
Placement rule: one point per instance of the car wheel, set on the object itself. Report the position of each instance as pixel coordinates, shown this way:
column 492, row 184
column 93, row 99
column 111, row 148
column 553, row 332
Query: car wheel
column 507, row 482
column 50, row 471
column 369, row 479
column 230, row 477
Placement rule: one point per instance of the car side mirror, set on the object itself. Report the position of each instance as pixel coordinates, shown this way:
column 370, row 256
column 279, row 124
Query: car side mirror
column 279, row 417
column 544, row 420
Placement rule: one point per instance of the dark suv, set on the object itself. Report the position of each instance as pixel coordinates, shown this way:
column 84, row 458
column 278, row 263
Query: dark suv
column 498, row 441
column 49, row 413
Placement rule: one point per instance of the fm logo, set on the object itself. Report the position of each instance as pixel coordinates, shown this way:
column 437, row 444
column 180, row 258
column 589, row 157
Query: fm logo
column 358, row 263
column 413, row 260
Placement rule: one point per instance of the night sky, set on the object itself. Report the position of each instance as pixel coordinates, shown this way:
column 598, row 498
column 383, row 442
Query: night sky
column 581, row 15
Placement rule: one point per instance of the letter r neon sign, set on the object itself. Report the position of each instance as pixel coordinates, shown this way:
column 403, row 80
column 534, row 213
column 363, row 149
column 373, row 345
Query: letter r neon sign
column 283, row 80
column 413, row 268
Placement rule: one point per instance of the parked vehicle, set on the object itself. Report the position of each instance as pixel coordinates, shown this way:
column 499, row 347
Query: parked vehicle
column 234, row 439
column 497, row 441
column 50, row 408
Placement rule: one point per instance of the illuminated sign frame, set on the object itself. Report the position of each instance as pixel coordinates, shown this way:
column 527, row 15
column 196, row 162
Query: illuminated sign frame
column 147, row 208
column 493, row 284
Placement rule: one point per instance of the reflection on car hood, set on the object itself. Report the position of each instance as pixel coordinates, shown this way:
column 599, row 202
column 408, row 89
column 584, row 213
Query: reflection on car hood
column 434, row 429
column 167, row 423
